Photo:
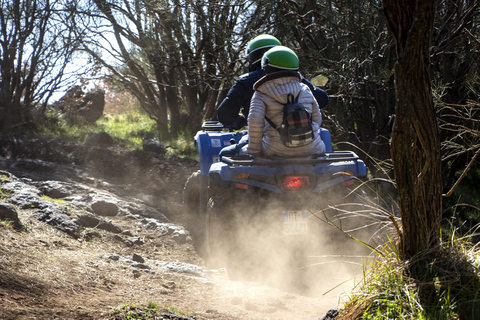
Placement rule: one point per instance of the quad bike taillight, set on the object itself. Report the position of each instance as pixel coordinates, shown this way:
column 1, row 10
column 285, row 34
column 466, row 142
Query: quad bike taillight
column 346, row 173
column 296, row 183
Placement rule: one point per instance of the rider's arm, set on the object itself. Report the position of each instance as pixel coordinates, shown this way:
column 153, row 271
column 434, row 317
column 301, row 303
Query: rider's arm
column 228, row 113
column 238, row 98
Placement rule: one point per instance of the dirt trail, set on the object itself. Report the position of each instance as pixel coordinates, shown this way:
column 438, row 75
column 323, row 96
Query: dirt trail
column 46, row 274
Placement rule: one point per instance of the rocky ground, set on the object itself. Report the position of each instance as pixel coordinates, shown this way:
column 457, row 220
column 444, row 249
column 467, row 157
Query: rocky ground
column 103, row 228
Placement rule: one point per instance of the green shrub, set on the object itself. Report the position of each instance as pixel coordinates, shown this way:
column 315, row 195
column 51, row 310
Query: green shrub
column 127, row 129
column 131, row 310
column 440, row 286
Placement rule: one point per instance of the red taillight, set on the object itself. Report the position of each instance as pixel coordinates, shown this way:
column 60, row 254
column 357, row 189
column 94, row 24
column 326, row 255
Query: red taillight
column 241, row 186
column 296, row 182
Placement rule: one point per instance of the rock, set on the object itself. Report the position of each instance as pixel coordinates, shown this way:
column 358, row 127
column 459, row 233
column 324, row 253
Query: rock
column 42, row 170
column 136, row 240
column 111, row 256
column 90, row 235
column 136, row 273
column 146, row 211
column 9, row 214
column 139, row 265
column 181, row 236
column 181, row 267
column 5, row 176
column 104, row 207
column 23, row 195
column 88, row 220
column 138, row 258
column 59, row 220
column 55, row 189
column 127, row 233
column 101, row 139
column 119, row 238
column 154, row 146
column 330, row 315
column 130, row 242
column 91, row 221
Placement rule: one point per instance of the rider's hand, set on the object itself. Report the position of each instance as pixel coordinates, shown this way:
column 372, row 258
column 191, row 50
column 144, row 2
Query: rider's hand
column 240, row 122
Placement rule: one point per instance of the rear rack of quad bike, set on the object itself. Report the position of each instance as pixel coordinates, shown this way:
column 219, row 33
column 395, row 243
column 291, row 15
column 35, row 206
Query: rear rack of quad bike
column 247, row 160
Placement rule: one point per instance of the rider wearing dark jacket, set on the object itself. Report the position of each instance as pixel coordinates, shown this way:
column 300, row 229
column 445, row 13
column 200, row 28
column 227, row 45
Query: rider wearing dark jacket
column 239, row 96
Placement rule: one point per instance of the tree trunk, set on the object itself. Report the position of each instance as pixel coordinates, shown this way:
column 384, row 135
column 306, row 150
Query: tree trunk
column 415, row 143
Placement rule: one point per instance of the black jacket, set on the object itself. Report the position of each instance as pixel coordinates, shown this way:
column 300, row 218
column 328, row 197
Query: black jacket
column 239, row 96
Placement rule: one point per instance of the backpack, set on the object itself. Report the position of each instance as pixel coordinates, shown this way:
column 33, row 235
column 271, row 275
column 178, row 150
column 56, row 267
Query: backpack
column 296, row 129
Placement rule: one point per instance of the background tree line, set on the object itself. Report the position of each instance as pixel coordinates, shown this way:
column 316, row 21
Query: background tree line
column 179, row 59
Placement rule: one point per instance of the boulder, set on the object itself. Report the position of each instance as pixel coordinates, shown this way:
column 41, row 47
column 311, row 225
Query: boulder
column 154, row 146
column 58, row 219
column 9, row 213
column 100, row 139
column 92, row 221
column 104, row 207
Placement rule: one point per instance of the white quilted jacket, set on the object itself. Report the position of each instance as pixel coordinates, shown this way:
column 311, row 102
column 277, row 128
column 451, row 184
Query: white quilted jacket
column 269, row 98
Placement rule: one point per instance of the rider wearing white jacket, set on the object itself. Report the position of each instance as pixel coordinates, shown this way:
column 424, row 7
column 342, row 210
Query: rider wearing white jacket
column 282, row 78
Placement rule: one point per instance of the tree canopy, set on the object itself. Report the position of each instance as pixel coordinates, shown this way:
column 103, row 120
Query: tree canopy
column 37, row 44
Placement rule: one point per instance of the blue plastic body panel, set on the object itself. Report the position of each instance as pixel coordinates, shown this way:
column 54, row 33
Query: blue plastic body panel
column 325, row 135
column 210, row 142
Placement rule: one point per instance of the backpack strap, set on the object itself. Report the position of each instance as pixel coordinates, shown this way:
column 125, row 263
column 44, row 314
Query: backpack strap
column 271, row 122
column 290, row 99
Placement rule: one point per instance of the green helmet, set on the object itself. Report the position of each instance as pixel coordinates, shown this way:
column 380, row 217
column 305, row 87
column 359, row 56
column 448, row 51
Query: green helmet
column 257, row 47
column 279, row 58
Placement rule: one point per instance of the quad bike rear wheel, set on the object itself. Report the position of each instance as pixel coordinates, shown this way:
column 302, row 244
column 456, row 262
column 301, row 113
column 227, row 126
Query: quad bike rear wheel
column 191, row 203
column 191, row 193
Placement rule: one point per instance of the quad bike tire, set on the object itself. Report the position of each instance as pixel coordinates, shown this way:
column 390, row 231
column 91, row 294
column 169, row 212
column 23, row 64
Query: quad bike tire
column 191, row 204
column 191, row 193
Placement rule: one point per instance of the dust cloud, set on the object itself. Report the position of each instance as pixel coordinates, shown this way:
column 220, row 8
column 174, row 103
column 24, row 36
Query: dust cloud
column 339, row 239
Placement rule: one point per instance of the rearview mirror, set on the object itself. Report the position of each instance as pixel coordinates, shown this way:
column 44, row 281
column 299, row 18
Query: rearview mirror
column 319, row 81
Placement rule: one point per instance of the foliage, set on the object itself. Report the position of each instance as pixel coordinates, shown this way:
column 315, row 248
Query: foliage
column 134, row 311
column 7, row 224
column 57, row 201
column 128, row 129
column 131, row 310
column 441, row 285
column 462, row 208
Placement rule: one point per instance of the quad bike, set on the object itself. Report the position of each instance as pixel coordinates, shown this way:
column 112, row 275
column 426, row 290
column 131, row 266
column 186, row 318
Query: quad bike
column 256, row 215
